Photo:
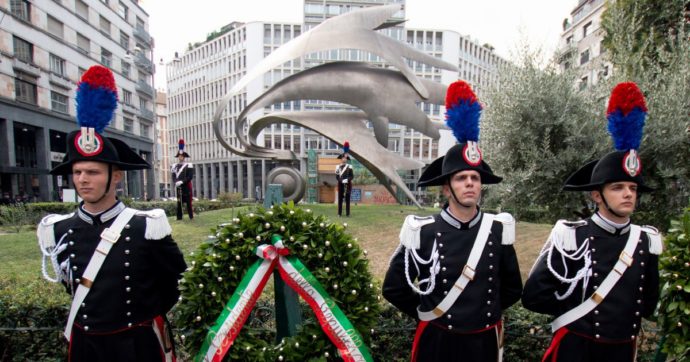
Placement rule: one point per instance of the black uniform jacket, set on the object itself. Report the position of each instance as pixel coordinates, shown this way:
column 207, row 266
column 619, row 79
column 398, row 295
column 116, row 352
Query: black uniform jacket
column 186, row 176
column 635, row 295
column 496, row 286
column 347, row 173
column 138, row 279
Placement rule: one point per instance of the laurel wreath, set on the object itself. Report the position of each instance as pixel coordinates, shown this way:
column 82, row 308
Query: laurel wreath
column 332, row 256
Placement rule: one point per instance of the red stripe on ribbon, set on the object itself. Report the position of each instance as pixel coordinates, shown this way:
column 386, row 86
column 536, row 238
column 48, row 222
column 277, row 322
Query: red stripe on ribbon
column 344, row 353
column 244, row 314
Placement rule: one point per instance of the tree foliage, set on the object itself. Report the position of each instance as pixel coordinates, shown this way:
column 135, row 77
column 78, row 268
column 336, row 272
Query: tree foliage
column 658, row 25
column 662, row 71
column 538, row 129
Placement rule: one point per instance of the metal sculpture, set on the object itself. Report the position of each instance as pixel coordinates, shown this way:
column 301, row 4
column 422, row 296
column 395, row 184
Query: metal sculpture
column 383, row 95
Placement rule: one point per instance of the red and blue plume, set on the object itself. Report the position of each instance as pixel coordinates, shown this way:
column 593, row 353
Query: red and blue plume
column 462, row 112
column 96, row 98
column 180, row 145
column 346, row 147
column 626, row 114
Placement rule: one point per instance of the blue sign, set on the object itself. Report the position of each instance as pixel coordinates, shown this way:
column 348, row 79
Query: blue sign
column 356, row 195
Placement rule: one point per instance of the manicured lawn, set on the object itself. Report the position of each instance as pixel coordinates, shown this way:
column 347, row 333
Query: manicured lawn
column 375, row 227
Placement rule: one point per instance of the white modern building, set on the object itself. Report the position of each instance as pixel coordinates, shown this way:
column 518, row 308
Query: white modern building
column 45, row 47
column 581, row 46
column 163, row 160
column 199, row 78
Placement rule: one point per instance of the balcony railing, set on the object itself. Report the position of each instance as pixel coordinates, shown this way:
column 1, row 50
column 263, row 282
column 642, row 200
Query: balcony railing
column 146, row 114
column 143, row 35
column 144, row 63
column 145, row 88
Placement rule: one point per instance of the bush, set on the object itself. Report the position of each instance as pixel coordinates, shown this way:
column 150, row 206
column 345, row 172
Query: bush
column 230, row 198
column 14, row 216
column 31, row 320
column 674, row 307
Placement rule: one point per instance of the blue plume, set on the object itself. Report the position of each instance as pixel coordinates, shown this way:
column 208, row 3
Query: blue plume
column 463, row 119
column 626, row 131
column 95, row 106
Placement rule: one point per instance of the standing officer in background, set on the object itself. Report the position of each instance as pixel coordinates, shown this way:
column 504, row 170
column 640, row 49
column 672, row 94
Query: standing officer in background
column 600, row 275
column 455, row 272
column 120, row 265
column 344, row 175
column 183, row 173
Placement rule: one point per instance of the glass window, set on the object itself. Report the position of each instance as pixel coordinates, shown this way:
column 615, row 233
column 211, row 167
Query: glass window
column 82, row 9
column 144, row 130
column 23, row 50
column 129, row 125
column 21, row 9
column 83, row 44
column 106, row 57
column 140, row 23
column 122, row 10
column 124, row 40
column 59, row 102
column 127, row 96
column 584, row 57
column 586, row 29
column 25, row 91
column 126, row 68
column 57, row 65
column 105, row 26
column 55, row 27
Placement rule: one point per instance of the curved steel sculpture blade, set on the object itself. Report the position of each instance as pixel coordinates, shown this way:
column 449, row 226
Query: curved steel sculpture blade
column 383, row 94
column 343, row 125
column 353, row 30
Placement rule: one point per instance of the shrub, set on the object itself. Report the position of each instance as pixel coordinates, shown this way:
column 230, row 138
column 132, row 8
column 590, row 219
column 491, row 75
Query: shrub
column 230, row 198
column 14, row 216
column 674, row 307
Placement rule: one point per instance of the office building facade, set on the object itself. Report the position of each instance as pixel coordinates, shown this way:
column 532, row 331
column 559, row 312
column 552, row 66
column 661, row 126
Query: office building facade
column 45, row 47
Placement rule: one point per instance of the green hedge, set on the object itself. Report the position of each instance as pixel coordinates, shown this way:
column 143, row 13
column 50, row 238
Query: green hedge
column 32, row 213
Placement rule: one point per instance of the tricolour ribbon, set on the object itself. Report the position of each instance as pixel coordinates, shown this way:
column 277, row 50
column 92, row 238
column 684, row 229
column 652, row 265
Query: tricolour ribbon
column 333, row 321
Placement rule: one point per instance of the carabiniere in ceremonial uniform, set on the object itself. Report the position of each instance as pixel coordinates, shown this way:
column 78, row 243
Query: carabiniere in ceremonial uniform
column 121, row 266
column 600, row 276
column 456, row 277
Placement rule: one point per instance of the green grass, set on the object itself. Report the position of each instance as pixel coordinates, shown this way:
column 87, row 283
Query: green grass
column 375, row 226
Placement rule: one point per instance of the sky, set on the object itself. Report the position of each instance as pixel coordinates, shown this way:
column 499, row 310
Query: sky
column 505, row 24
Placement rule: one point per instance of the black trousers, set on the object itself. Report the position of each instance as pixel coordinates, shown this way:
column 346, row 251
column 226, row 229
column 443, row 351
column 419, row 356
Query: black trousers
column 437, row 345
column 344, row 193
column 578, row 348
column 135, row 344
column 184, row 198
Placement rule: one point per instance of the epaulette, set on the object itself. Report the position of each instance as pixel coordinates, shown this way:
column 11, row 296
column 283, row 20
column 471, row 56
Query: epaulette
column 45, row 232
column 157, row 225
column 508, row 237
column 656, row 246
column 409, row 233
column 563, row 234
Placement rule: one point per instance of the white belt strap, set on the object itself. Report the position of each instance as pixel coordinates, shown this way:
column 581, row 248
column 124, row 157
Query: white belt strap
column 467, row 274
column 624, row 261
column 109, row 237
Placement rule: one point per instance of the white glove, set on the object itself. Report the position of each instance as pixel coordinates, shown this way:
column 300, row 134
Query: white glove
column 345, row 180
column 178, row 183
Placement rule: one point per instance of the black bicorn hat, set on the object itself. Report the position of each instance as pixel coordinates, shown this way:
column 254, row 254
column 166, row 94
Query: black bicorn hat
column 626, row 115
column 462, row 117
column 180, row 149
column 346, row 151
column 96, row 102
